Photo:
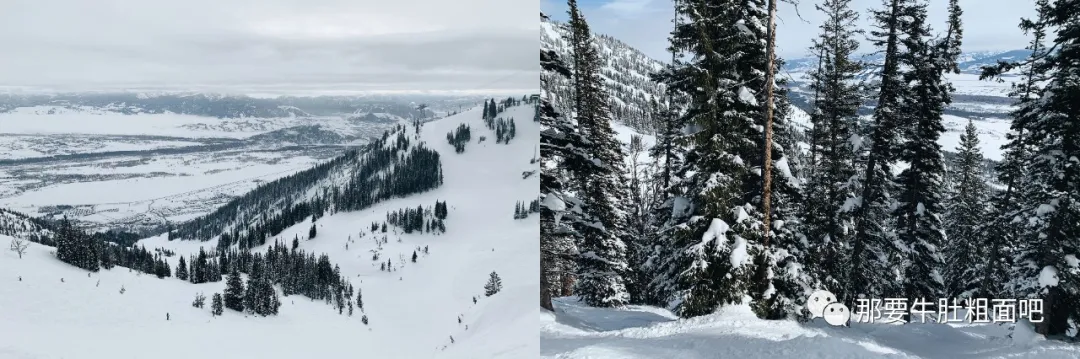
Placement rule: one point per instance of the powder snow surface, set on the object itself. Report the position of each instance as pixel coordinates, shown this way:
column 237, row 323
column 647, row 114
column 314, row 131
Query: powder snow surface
column 579, row 332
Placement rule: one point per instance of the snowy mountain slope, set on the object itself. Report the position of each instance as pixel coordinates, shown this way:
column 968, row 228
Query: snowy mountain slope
column 970, row 62
column 413, row 311
column 18, row 225
column 576, row 331
column 625, row 71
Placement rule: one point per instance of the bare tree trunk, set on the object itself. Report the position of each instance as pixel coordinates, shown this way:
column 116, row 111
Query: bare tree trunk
column 769, row 84
column 545, row 284
column 567, row 284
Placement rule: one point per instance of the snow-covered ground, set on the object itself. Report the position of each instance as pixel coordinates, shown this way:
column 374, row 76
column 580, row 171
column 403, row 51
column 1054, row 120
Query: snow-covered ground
column 576, row 331
column 413, row 311
column 992, row 133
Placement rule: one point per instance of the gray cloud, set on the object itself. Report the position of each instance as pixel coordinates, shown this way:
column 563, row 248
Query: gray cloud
column 645, row 24
column 399, row 45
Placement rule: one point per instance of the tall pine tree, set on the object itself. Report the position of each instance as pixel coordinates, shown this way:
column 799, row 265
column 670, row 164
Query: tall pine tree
column 561, row 147
column 965, row 253
column 873, row 250
column 920, row 199
column 839, row 95
column 602, row 263
column 1046, row 255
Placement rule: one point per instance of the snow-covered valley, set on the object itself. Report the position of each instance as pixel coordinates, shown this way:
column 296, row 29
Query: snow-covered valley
column 138, row 170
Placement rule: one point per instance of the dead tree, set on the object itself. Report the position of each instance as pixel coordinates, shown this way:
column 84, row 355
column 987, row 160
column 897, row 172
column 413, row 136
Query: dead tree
column 19, row 246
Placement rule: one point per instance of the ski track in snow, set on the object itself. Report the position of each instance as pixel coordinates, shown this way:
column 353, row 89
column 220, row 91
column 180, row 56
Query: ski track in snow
column 412, row 311
column 576, row 331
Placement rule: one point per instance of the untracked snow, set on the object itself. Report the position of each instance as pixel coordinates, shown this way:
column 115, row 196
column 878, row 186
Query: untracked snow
column 576, row 331
column 413, row 311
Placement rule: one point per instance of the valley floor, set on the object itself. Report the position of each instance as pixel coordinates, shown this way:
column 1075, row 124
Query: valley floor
column 576, row 331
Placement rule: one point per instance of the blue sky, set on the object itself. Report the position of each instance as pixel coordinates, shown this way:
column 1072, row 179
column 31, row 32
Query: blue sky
column 644, row 24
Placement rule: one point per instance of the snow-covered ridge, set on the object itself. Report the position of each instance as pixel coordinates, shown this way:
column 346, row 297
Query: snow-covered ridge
column 625, row 70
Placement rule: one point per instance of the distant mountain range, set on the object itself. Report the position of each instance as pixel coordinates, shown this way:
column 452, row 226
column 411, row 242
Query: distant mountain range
column 226, row 106
column 969, row 62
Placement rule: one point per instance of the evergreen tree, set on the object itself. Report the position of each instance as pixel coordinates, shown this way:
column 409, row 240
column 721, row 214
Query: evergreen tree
column 216, row 306
column 965, row 254
column 250, row 300
column 359, row 300
column 1001, row 233
column 200, row 300
column 715, row 253
column 494, row 285
column 561, row 146
column 234, row 291
column 1050, row 207
column 872, row 269
column 602, row 264
column 918, row 215
column 836, row 103
column 414, row 256
column 181, row 269
column 312, row 232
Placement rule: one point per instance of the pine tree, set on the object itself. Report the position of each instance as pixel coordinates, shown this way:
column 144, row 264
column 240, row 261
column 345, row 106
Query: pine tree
column 965, row 254
column 561, row 145
column 1050, row 206
column 1001, row 233
column 250, row 300
column 312, row 232
column 64, row 241
column 234, row 291
column 494, row 285
column 216, row 306
column 871, row 271
column 837, row 100
column 414, row 256
column 693, row 273
column 181, row 270
column 918, row 215
column 714, row 252
column 359, row 300
column 200, row 300
column 602, row 265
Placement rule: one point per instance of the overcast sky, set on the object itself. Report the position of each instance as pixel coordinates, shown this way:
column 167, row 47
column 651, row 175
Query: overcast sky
column 267, row 46
column 645, row 24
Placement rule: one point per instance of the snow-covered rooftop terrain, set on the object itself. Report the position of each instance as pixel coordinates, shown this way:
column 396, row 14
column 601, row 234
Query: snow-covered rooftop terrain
column 422, row 309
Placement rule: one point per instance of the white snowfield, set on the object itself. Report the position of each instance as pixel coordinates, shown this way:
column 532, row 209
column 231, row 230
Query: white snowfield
column 576, row 331
column 413, row 311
